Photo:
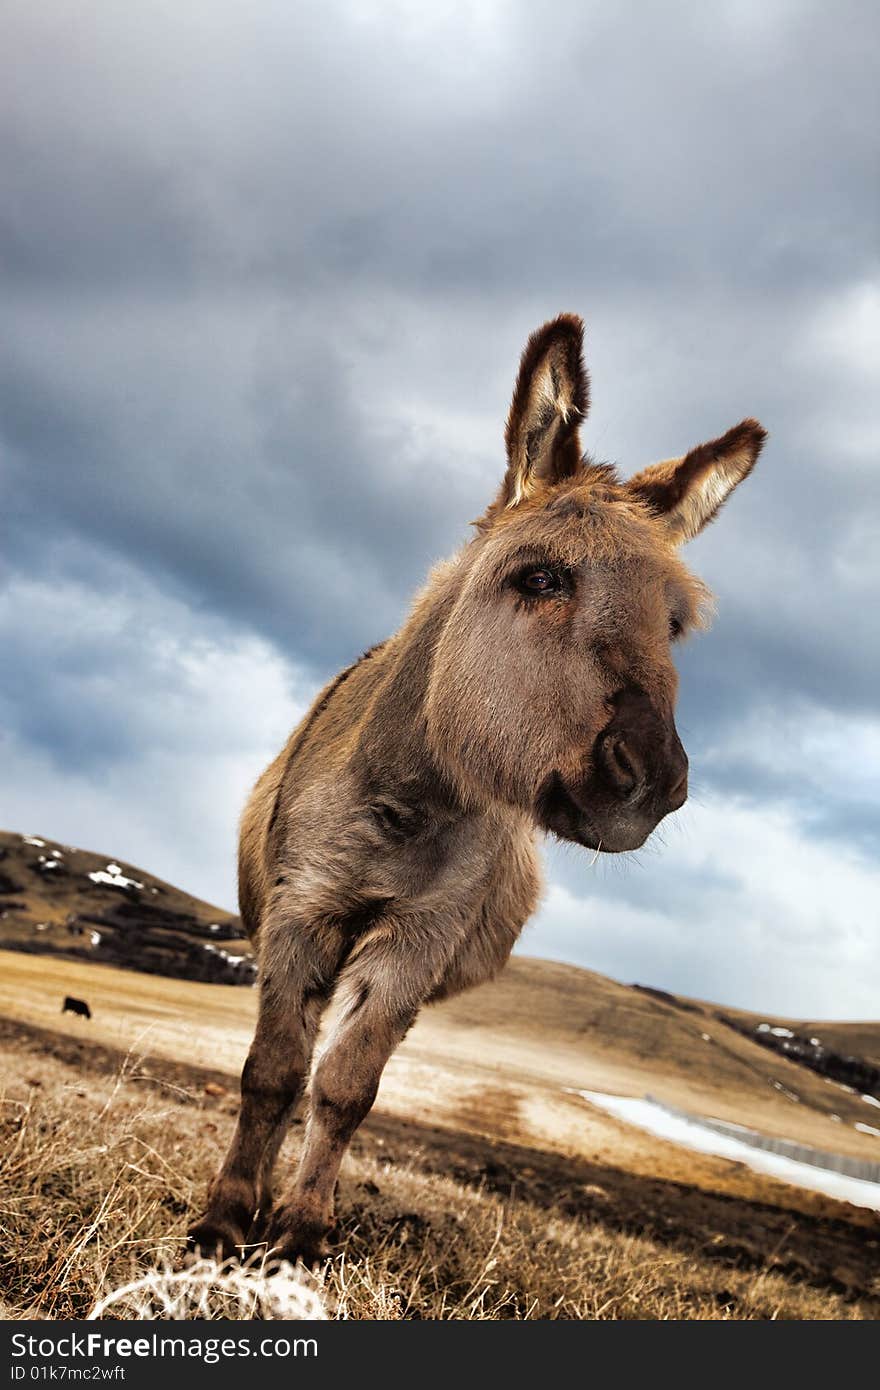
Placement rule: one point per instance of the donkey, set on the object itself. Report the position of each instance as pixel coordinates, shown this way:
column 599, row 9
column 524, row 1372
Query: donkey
column 388, row 855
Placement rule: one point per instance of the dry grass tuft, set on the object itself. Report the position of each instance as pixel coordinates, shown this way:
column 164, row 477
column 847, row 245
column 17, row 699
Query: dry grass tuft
column 98, row 1176
column 428, row 1247
column 208, row 1290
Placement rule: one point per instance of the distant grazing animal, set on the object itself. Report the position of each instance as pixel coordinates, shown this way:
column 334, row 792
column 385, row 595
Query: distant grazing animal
column 388, row 855
column 75, row 1006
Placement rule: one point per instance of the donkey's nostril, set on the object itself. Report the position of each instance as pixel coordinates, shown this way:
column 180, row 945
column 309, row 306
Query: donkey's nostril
column 620, row 765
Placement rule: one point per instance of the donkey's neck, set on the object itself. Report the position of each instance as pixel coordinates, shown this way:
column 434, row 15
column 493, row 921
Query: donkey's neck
column 393, row 748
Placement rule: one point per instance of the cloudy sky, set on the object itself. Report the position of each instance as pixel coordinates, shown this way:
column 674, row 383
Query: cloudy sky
column 266, row 272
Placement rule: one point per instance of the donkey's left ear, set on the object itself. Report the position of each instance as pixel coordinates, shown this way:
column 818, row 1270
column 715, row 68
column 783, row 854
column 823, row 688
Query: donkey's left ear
column 687, row 492
column 550, row 399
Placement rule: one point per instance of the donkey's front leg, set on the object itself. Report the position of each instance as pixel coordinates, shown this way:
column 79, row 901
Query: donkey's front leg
column 272, row 1082
column 379, row 993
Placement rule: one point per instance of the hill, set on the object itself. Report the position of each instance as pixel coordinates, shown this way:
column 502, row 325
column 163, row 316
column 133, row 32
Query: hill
column 61, row 901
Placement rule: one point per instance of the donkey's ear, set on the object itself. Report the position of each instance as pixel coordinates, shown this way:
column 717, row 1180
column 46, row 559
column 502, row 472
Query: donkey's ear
column 551, row 397
column 688, row 492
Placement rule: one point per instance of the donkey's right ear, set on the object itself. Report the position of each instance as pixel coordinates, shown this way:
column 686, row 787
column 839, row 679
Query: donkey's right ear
column 551, row 397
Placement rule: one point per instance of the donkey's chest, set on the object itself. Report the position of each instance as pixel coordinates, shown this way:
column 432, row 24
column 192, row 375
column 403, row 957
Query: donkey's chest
column 422, row 862
column 347, row 854
column 451, row 863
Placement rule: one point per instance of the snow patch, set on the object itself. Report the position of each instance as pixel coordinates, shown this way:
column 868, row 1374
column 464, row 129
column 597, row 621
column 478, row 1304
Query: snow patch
column 691, row 1134
column 775, row 1032
column 866, row 1129
column 32, row 840
column 95, row 938
column 114, row 876
column 871, row 1100
column 224, row 955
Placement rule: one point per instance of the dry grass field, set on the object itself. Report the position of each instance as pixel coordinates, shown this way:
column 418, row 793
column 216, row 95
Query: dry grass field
column 103, row 1158
column 480, row 1187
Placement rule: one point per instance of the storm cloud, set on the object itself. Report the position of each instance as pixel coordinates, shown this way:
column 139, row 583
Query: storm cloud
column 266, row 272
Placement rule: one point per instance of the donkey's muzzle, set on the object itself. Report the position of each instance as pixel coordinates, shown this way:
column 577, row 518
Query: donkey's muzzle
column 637, row 774
column 638, row 759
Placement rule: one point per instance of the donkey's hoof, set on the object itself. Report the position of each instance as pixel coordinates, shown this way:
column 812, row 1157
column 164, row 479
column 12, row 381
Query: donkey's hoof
column 296, row 1239
column 214, row 1240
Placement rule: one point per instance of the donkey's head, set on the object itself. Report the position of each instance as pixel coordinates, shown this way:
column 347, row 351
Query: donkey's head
column 553, row 687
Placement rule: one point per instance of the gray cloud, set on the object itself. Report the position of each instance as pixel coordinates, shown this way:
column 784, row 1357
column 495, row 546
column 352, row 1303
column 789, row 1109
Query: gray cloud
column 266, row 277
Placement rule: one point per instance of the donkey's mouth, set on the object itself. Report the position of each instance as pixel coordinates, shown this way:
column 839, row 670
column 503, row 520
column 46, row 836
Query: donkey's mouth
column 560, row 810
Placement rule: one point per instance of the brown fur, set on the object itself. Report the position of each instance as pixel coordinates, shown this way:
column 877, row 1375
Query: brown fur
column 388, row 853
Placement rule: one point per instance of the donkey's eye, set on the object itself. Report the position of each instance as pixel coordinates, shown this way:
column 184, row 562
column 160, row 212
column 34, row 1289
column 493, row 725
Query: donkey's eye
column 676, row 628
column 540, row 581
